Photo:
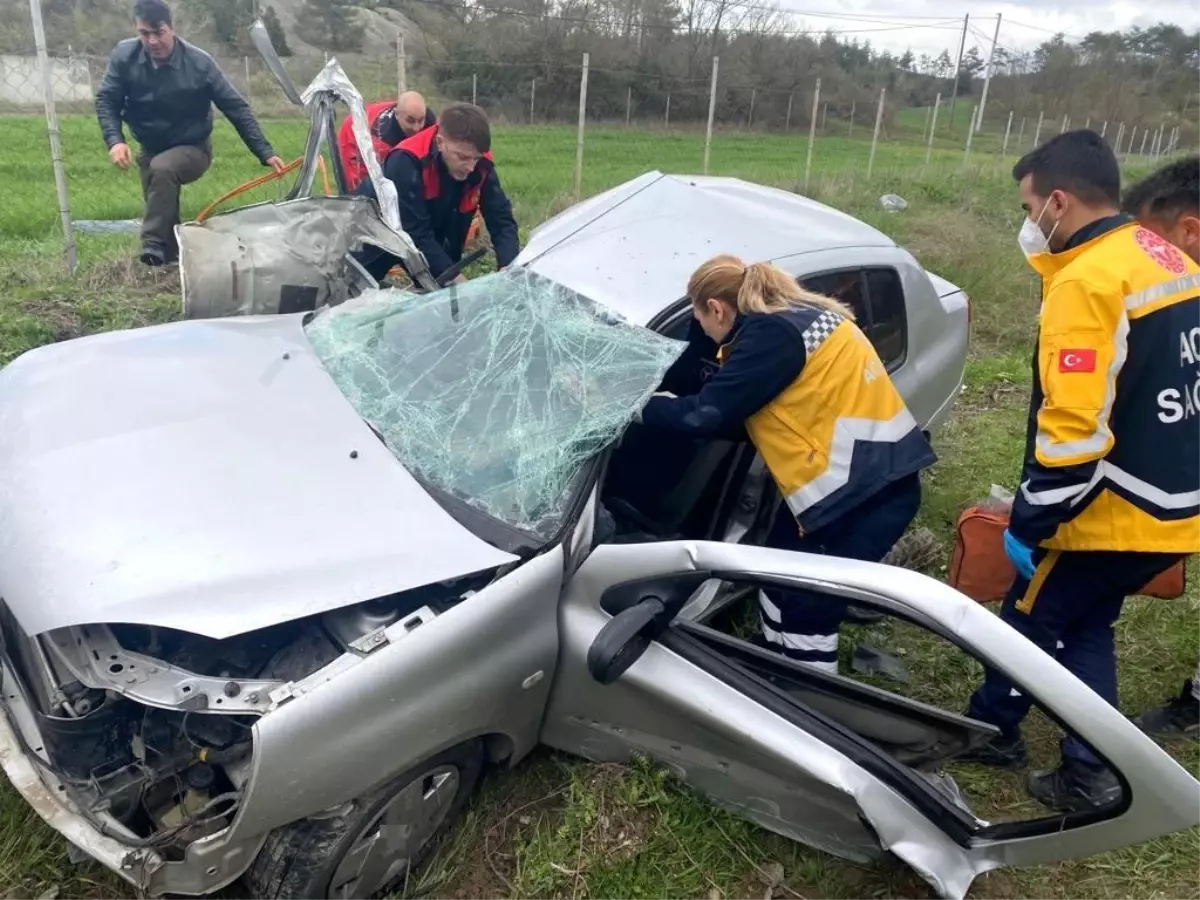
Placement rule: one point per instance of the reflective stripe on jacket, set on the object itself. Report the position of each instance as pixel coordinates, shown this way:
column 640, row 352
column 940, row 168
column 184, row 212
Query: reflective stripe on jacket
column 1112, row 458
column 840, row 431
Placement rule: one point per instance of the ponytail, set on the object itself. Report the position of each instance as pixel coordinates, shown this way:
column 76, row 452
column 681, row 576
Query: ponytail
column 755, row 288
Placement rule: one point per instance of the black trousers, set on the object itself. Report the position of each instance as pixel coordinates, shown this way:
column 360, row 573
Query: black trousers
column 1068, row 609
column 804, row 624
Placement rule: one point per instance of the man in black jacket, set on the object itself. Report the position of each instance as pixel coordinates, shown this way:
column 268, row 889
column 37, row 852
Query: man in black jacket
column 443, row 175
column 164, row 89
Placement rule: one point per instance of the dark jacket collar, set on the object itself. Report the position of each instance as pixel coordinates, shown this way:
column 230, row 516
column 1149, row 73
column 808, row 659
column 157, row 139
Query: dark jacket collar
column 1096, row 229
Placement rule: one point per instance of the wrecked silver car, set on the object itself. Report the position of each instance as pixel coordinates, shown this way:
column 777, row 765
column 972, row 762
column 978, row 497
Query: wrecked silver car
column 276, row 589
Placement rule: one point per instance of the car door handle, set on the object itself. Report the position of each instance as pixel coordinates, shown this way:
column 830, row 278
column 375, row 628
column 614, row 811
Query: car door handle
column 625, row 637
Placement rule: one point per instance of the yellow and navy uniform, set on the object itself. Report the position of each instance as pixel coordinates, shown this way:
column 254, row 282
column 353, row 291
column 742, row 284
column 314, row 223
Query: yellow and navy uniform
column 810, row 390
column 1112, row 456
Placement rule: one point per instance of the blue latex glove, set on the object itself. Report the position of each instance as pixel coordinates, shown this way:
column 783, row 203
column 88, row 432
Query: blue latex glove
column 1019, row 554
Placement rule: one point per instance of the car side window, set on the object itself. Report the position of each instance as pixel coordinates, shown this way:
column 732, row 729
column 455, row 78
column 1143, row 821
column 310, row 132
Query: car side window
column 885, row 294
column 876, row 296
column 845, row 286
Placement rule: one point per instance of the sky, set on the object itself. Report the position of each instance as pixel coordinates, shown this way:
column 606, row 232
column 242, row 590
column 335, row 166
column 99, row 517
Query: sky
column 930, row 26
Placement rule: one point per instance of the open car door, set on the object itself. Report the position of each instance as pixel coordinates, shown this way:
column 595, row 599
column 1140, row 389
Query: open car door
column 824, row 759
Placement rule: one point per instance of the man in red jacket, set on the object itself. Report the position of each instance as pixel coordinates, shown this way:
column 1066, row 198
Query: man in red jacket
column 390, row 122
column 444, row 177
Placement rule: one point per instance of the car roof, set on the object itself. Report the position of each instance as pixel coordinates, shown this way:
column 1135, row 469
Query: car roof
column 634, row 247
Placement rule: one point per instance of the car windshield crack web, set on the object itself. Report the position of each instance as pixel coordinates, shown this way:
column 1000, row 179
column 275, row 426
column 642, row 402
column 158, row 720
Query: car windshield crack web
column 496, row 391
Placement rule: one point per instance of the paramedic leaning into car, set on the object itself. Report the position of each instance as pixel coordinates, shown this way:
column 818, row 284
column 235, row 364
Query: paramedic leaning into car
column 1110, row 489
column 1168, row 203
column 799, row 377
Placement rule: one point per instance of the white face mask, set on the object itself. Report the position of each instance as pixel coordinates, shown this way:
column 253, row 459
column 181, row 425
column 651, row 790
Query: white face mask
column 1030, row 237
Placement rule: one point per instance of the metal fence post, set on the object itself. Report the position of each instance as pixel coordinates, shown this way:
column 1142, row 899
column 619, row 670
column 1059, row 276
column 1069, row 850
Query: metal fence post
column 712, row 107
column 401, row 65
column 875, row 136
column 787, row 125
column 1145, row 135
column 1120, row 135
column 628, row 102
column 1087, row 123
column 1037, row 134
column 532, row 96
column 246, row 62
column 1007, row 132
column 970, row 134
column 474, row 86
column 937, row 105
column 753, row 98
column 70, row 253
column 1063, row 130
column 667, row 118
column 1132, row 138
column 1104, row 129
column 579, row 137
column 850, row 132
column 812, row 134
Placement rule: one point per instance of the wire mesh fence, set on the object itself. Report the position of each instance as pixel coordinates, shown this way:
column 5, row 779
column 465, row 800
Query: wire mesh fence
column 561, row 132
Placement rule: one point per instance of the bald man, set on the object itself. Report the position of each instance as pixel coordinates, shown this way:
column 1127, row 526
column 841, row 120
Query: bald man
column 390, row 122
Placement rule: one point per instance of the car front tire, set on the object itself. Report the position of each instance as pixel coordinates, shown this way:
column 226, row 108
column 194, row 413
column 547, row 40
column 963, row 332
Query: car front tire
column 373, row 843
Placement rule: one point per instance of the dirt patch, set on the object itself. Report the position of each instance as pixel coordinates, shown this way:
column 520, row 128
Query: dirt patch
column 481, row 860
column 62, row 318
column 129, row 274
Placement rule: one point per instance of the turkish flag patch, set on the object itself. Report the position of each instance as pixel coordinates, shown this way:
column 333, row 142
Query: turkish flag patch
column 1077, row 360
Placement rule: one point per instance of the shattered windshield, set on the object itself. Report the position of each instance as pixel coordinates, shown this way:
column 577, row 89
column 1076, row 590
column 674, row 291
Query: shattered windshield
column 496, row 391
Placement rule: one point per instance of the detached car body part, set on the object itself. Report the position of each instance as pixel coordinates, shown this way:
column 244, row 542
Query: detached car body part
column 295, row 255
column 424, row 524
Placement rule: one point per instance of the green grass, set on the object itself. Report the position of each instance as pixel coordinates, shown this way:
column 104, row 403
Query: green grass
column 557, row 826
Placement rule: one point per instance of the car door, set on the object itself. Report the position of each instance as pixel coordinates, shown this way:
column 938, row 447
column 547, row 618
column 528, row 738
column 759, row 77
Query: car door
column 799, row 753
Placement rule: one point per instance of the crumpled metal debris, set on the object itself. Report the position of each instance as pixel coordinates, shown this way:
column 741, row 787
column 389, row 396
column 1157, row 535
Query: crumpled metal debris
column 291, row 256
column 893, row 203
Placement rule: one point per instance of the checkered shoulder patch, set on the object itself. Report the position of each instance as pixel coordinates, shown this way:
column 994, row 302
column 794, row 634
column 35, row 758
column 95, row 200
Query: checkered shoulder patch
column 821, row 328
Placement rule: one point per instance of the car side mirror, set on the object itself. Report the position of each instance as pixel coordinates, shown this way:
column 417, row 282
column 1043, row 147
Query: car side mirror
column 625, row 637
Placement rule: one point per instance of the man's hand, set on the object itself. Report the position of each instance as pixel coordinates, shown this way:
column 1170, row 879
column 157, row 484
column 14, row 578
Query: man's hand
column 120, row 156
column 276, row 163
column 1019, row 554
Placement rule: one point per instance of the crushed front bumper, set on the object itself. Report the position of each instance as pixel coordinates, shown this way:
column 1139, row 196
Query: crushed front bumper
column 208, row 865
column 49, row 798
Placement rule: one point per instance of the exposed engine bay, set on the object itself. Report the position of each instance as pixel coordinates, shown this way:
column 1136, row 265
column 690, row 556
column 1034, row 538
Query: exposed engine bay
column 153, row 727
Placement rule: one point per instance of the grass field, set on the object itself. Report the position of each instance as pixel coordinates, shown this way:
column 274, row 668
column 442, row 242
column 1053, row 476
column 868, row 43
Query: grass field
column 557, row 826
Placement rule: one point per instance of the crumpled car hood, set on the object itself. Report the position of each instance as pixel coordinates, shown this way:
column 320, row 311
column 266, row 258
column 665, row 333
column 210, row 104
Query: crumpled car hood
column 205, row 476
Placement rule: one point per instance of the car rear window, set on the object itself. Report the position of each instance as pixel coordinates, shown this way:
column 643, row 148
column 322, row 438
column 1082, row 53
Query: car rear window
column 876, row 295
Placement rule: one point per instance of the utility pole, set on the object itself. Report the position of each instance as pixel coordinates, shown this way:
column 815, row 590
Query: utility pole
column 987, row 76
column 957, row 68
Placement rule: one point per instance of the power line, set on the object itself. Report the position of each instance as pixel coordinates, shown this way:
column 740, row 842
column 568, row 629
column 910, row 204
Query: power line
column 1055, row 31
column 945, row 24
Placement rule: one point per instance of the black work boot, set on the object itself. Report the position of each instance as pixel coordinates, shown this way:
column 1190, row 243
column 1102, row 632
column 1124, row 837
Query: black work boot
column 153, row 256
column 1075, row 786
column 1178, row 717
column 1002, row 751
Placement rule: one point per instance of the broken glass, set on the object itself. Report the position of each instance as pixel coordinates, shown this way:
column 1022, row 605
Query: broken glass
column 496, row 391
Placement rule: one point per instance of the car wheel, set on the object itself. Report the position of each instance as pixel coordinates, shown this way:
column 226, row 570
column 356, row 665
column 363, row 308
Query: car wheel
column 376, row 840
